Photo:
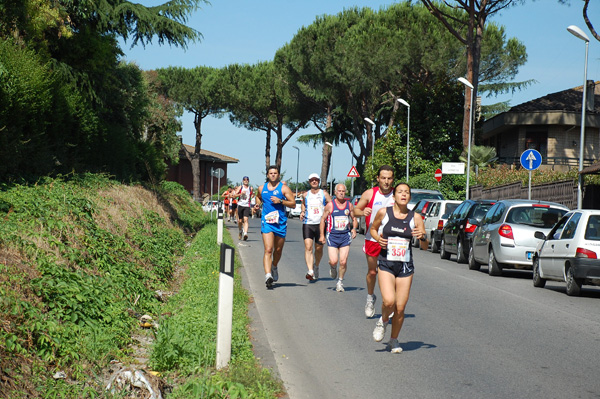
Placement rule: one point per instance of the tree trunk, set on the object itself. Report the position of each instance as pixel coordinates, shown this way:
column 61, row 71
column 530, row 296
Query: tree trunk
column 279, row 145
column 268, row 151
column 326, row 153
column 195, row 160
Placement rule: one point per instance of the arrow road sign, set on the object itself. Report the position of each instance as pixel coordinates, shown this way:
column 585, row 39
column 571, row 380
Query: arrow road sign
column 531, row 159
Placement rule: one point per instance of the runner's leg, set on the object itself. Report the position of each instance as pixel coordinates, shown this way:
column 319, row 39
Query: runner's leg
column 387, row 286
column 308, row 252
column 269, row 243
column 403, row 285
column 278, row 242
column 371, row 274
column 343, row 252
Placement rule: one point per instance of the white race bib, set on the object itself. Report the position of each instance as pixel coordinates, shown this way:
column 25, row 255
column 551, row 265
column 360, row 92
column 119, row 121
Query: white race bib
column 398, row 249
column 272, row 217
column 340, row 222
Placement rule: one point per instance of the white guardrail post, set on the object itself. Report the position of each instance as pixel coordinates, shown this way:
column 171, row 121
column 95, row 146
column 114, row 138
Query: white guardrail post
column 220, row 224
column 225, row 315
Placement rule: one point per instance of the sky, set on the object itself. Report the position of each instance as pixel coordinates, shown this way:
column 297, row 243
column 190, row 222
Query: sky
column 250, row 31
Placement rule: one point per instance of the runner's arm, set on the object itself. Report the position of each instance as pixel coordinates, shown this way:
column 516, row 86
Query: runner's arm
column 289, row 197
column 361, row 207
column 326, row 213
column 374, row 228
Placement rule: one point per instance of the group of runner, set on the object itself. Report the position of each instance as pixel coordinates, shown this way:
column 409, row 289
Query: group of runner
column 390, row 229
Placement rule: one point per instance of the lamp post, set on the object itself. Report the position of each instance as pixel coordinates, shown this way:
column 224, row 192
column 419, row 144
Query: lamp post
column 331, row 166
column 407, row 105
column 470, row 86
column 297, row 166
column 581, row 35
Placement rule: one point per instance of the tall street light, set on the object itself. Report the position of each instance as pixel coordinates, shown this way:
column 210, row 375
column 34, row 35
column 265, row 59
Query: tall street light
column 470, row 86
column 407, row 105
column 297, row 166
column 581, row 35
column 331, row 165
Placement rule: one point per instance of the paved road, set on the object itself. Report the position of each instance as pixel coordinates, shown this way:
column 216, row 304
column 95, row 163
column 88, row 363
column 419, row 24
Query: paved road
column 466, row 335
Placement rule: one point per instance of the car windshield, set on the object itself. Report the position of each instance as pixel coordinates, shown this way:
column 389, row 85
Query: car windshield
column 537, row 216
column 414, row 198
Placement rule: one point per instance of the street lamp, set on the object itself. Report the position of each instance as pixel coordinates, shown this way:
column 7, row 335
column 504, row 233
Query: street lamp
column 470, row 86
column 403, row 102
column 581, row 35
column 331, row 165
column 297, row 165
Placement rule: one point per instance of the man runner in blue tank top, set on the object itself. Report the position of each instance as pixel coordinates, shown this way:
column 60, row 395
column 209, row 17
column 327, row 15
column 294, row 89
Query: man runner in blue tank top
column 274, row 196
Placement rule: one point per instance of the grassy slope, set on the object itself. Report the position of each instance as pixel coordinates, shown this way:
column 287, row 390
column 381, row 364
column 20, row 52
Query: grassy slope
column 79, row 258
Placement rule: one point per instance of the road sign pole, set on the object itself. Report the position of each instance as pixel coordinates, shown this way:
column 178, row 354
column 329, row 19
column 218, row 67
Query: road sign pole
column 529, row 196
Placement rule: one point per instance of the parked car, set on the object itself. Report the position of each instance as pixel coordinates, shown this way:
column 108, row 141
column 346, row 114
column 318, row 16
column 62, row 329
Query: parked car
column 210, row 206
column 457, row 232
column 570, row 251
column 505, row 237
column 421, row 208
column 295, row 212
column 434, row 220
column 417, row 194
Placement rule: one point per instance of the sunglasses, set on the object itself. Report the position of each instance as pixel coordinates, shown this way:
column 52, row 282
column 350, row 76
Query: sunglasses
column 313, row 179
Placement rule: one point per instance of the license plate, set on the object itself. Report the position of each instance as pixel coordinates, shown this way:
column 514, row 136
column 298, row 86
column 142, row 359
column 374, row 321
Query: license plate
column 529, row 255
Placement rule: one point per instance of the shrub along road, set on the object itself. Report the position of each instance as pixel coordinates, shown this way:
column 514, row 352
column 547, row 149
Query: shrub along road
column 466, row 334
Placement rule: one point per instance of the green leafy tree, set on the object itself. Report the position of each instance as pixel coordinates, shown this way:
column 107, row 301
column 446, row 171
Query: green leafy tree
column 199, row 91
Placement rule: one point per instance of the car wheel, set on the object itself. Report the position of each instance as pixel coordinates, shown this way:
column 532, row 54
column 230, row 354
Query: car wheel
column 473, row 264
column 443, row 253
column 537, row 280
column 435, row 247
column 460, row 252
column 494, row 268
column 573, row 284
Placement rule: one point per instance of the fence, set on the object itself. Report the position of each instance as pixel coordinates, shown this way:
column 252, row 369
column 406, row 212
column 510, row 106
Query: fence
column 564, row 192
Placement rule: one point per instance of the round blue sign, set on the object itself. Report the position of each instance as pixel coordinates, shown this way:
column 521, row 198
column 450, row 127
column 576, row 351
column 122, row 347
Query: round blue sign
column 531, row 159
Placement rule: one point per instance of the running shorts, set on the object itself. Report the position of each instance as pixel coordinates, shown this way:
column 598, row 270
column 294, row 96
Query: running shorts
column 339, row 240
column 398, row 269
column 243, row 212
column 311, row 232
column 371, row 248
column 276, row 228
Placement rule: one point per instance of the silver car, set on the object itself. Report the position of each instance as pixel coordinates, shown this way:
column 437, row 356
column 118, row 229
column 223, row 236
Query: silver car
column 505, row 238
column 434, row 222
column 570, row 252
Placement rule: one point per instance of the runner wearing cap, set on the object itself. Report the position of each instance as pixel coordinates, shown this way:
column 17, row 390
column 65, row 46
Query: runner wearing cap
column 313, row 204
column 243, row 193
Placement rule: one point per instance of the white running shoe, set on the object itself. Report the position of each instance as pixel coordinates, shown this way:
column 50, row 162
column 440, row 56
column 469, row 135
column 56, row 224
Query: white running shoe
column 268, row 280
column 275, row 273
column 333, row 271
column 379, row 331
column 246, row 238
column 370, row 306
column 316, row 271
column 393, row 346
column 310, row 276
column 339, row 287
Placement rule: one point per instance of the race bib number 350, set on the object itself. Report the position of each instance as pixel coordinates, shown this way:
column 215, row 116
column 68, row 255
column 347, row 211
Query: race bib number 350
column 398, row 249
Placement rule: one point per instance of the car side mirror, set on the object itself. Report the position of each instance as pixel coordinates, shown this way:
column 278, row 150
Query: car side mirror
column 539, row 235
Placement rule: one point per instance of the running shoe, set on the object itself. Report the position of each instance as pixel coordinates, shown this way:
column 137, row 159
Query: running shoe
column 339, row 287
column 333, row 271
column 393, row 346
column 370, row 306
column 240, row 235
column 310, row 276
column 268, row 280
column 379, row 331
column 245, row 236
column 275, row 273
column 316, row 271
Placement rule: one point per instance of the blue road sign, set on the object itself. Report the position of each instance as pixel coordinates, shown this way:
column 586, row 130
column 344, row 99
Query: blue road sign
column 531, row 159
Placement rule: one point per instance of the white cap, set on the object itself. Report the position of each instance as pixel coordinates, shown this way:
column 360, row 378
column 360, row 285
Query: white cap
column 314, row 175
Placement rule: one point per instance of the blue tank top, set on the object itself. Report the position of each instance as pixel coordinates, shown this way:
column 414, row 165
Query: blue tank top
column 338, row 221
column 273, row 213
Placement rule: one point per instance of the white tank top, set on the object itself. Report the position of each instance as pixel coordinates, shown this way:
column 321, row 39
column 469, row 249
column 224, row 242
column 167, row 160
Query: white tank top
column 377, row 202
column 245, row 196
column 314, row 205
